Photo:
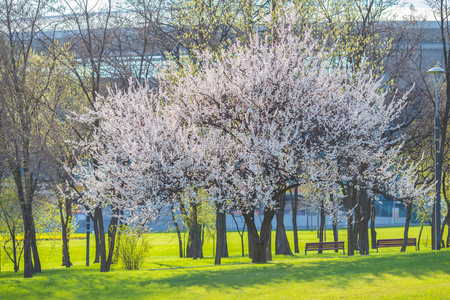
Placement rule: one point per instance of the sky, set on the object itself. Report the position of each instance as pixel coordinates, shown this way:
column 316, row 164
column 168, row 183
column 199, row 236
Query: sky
column 421, row 10
column 417, row 3
column 400, row 12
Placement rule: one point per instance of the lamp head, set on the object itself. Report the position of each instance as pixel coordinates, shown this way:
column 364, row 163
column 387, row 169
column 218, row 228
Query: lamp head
column 436, row 70
column 436, row 74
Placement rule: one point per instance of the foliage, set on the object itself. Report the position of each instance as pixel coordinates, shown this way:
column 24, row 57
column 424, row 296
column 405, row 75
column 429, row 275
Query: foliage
column 212, row 25
column 132, row 251
column 206, row 216
column 47, row 223
column 11, row 224
column 47, row 219
column 32, row 85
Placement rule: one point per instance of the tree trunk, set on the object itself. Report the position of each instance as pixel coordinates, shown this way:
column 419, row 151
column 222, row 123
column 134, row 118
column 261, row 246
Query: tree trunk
column 281, row 241
column 250, row 247
column 187, row 244
column 318, row 223
column 221, row 229
column 351, row 195
column 335, row 221
column 322, row 224
column 307, row 217
column 219, row 240
column 65, row 247
column 177, row 227
column 65, row 229
column 335, row 234
column 350, row 248
column 27, row 258
column 242, row 240
column 34, row 249
column 97, row 238
column 363, row 222
column 224, row 235
column 24, row 196
column 433, row 237
column 432, row 228
column 190, row 246
column 420, row 235
column 442, row 231
column 15, row 244
column 356, row 229
column 373, row 232
column 269, row 244
column 408, row 219
column 260, row 241
column 447, row 244
column 241, row 234
column 25, row 186
column 192, row 238
column 294, row 219
column 194, row 248
column 112, row 230
column 16, row 262
column 102, row 240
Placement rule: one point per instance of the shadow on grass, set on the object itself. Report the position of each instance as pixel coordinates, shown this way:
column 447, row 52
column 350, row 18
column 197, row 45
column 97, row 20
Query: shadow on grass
column 79, row 282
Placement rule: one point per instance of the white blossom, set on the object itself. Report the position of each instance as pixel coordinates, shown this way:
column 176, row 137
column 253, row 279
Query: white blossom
column 241, row 125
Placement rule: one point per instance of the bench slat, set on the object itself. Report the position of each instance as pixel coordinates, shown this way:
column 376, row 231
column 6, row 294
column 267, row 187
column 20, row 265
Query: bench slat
column 395, row 243
column 324, row 246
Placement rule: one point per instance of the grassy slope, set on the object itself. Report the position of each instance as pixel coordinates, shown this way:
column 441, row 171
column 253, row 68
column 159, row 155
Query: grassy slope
column 417, row 275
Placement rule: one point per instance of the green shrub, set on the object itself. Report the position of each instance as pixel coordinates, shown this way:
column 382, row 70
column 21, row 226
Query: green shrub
column 132, row 251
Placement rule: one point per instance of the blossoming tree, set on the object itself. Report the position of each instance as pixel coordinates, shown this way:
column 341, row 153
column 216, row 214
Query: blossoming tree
column 246, row 125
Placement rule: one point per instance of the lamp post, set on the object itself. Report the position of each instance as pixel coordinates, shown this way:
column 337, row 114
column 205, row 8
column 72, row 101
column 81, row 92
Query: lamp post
column 88, row 224
column 436, row 74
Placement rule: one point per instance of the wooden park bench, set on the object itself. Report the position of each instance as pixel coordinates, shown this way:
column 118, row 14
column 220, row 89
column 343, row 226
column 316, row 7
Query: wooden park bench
column 395, row 243
column 325, row 246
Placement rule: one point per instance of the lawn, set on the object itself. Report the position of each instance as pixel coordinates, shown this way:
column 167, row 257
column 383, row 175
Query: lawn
column 388, row 274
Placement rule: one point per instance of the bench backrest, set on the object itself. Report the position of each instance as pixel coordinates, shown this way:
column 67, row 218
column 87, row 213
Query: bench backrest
column 411, row 241
column 325, row 245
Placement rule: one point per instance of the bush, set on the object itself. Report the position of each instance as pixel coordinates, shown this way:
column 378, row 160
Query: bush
column 132, row 250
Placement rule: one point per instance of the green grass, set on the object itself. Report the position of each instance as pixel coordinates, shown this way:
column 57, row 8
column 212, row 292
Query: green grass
column 388, row 274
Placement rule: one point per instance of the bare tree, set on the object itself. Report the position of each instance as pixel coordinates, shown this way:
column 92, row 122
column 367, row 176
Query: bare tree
column 143, row 40
column 11, row 223
column 25, row 120
column 89, row 31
